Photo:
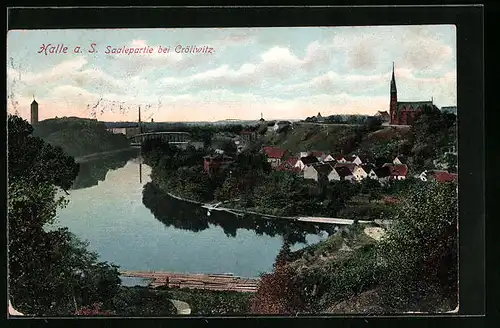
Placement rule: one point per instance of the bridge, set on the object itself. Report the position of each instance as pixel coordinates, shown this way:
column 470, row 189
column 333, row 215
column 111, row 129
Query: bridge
column 173, row 138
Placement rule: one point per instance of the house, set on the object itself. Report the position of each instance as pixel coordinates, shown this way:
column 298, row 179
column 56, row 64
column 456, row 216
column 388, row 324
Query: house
column 306, row 161
column 362, row 171
column 342, row 173
column 340, row 159
column 280, row 125
column 438, row 175
column 381, row 174
column 319, row 155
column 274, row 155
column 353, row 159
column 303, row 154
column 397, row 171
column 213, row 163
column 289, row 165
column 318, row 171
column 398, row 160
column 329, row 158
column 350, row 166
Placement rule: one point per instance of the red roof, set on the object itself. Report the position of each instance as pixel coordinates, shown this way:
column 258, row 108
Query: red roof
column 444, row 176
column 274, row 152
column 397, row 169
column 339, row 158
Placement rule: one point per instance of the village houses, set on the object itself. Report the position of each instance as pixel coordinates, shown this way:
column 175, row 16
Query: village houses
column 316, row 165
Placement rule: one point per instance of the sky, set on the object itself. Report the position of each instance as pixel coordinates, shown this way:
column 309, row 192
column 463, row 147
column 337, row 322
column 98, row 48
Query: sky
column 278, row 72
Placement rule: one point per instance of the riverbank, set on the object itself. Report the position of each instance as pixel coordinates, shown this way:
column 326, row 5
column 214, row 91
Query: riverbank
column 313, row 219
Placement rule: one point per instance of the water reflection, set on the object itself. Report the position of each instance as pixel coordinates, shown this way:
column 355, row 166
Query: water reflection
column 188, row 216
column 95, row 170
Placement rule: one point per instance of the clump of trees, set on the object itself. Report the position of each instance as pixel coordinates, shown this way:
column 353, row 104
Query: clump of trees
column 279, row 292
column 50, row 271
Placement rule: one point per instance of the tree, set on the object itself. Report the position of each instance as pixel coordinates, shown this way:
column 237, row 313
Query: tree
column 279, row 292
column 419, row 253
column 50, row 271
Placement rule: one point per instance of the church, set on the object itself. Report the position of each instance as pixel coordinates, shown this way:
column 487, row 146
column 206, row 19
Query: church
column 403, row 112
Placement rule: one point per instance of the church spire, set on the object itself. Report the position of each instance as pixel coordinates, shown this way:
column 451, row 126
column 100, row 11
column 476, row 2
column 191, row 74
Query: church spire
column 393, row 81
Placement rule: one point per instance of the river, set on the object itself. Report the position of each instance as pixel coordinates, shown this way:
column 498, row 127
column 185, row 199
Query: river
column 129, row 222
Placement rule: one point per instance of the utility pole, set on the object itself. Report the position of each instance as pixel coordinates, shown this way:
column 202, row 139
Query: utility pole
column 140, row 126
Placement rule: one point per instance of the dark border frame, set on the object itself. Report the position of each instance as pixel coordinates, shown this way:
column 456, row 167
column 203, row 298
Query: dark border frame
column 470, row 81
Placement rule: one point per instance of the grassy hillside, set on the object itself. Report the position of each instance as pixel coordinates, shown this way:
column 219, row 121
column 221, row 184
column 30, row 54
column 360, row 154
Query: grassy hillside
column 304, row 137
column 79, row 136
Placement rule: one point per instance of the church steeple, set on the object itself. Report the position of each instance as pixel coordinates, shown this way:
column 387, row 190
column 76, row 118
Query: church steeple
column 393, row 81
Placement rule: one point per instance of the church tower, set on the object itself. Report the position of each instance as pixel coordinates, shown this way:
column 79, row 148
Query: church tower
column 394, row 100
column 34, row 112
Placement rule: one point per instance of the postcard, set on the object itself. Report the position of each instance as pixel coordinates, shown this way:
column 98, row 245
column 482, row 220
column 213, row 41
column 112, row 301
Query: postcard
column 232, row 171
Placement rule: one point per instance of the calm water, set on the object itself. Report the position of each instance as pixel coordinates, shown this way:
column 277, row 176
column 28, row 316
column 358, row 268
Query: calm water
column 107, row 208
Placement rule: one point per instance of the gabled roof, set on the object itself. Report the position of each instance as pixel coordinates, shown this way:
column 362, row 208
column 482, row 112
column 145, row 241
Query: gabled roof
column 339, row 157
column 413, row 105
column 349, row 166
column 397, row 169
column 274, row 152
column 343, row 171
column 443, row 176
column 350, row 158
column 324, row 169
column 309, row 160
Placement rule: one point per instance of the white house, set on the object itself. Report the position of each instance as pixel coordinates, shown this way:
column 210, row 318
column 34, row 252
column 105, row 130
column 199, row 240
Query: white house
column 361, row 172
column 329, row 158
column 315, row 172
column 303, row 162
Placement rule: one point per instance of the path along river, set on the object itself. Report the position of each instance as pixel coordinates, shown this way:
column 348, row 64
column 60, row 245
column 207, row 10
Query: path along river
column 129, row 222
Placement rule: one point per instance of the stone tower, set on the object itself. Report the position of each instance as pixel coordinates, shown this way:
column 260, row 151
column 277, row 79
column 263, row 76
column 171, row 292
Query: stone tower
column 394, row 100
column 34, row 112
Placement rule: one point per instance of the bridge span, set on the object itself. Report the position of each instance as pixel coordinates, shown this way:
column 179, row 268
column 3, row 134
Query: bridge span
column 175, row 138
